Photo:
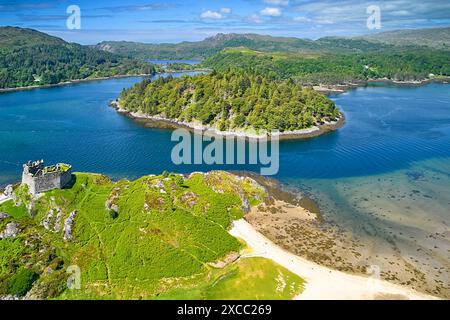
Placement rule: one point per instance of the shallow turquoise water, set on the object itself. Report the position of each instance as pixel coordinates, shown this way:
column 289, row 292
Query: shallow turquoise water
column 385, row 175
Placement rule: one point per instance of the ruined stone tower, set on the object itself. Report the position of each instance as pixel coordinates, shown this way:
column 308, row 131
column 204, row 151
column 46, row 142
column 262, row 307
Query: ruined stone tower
column 41, row 179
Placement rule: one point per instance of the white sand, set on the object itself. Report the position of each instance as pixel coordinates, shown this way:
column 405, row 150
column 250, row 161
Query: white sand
column 3, row 198
column 322, row 283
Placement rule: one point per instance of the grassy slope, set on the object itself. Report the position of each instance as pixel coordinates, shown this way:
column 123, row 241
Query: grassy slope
column 159, row 245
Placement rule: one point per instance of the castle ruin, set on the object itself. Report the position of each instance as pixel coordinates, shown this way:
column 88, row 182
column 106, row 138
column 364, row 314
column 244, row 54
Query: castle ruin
column 40, row 178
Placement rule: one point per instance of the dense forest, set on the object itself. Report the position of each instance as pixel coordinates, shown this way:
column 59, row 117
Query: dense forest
column 28, row 57
column 335, row 68
column 231, row 100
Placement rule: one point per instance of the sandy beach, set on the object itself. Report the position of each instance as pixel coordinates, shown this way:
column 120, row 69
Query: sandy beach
column 322, row 283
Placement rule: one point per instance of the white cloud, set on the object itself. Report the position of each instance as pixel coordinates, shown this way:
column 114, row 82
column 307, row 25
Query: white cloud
column 211, row 15
column 301, row 19
column 254, row 18
column 277, row 2
column 271, row 12
column 225, row 10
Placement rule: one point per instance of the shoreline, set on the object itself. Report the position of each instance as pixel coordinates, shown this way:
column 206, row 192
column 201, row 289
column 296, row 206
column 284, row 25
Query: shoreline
column 69, row 82
column 342, row 88
column 322, row 283
column 75, row 81
column 165, row 123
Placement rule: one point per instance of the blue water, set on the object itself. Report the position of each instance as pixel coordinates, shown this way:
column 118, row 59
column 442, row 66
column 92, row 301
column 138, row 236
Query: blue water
column 384, row 176
column 387, row 129
column 164, row 61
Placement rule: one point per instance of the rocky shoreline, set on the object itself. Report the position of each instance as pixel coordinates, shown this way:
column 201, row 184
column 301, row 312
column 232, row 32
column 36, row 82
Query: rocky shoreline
column 165, row 123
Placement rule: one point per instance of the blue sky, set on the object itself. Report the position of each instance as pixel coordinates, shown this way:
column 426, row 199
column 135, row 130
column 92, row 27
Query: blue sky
column 190, row 20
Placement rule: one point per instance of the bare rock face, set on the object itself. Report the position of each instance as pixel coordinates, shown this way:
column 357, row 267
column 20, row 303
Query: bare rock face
column 190, row 198
column 245, row 204
column 48, row 219
column 57, row 225
column 9, row 190
column 115, row 208
column 68, row 224
column 11, row 231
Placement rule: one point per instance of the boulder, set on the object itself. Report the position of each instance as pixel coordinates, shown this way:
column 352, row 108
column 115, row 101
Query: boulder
column 4, row 215
column 115, row 208
column 57, row 225
column 68, row 224
column 9, row 190
column 11, row 231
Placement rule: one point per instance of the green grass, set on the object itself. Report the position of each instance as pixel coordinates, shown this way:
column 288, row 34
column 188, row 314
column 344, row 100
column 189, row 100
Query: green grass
column 247, row 279
column 256, row 278
column 159, row 244
column 14, row 211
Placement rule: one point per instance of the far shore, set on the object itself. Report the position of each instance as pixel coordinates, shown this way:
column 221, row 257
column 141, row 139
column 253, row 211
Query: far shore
column 74, row 81
column 65, row 83
column 341, row 88
column 160, row 122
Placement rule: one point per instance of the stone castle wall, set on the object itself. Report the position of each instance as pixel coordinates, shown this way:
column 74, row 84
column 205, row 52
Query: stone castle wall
column 47, row 182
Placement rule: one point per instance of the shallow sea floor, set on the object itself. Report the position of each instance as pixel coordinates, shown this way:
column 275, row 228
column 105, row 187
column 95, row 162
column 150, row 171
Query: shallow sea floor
column 399, row 220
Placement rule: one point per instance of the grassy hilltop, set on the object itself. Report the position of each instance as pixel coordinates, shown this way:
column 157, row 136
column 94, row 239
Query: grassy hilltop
column 159, row 237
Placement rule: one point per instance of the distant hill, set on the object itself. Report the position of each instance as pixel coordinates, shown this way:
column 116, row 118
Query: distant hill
column 403, row 40
column 13, row 37
column 213, row 45
column 29, row 57
column 437, row 38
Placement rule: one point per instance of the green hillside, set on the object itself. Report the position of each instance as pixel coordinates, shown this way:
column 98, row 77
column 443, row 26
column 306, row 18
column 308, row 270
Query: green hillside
column 323, row 68
column 156, row 237
column 386, row 42
column 213, row 45
column 29, row 57
column 436, row 38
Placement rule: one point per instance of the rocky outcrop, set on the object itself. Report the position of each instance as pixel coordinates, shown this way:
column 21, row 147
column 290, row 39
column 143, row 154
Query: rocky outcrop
column 11, row 231
column 9, row 190
column 48, row 220
column 4, row 215
column 57, row 225
column 68, row 225
column 190, row 198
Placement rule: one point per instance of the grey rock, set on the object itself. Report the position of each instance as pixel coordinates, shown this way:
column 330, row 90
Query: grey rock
column 245, row 204
column 68, row 224
column 48, row 219
column 115, row 208
column 57, row 225
column 9, row 190
column 4, row 215
column 11, row 231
